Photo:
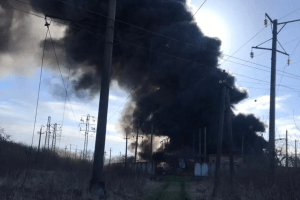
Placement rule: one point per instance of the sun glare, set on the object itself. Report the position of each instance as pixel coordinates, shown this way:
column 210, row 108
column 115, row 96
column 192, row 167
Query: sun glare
column 213, row 26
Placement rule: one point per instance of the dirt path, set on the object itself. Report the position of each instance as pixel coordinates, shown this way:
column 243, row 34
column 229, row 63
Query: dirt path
column 173, row 188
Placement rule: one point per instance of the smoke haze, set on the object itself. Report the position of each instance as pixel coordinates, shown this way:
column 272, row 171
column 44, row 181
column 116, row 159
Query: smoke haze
column 172, row 85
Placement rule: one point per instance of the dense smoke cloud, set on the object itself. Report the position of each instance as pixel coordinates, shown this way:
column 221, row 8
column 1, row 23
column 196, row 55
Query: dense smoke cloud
column 173, row 86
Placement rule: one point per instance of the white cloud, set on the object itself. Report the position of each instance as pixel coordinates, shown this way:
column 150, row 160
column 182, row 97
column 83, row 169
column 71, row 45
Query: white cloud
column 115, row 98
column 111, row 127
column 259, row 105
column 114, row 138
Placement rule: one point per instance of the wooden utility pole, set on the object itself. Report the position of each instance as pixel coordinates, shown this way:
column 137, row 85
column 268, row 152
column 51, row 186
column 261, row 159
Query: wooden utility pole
column 200, row 145
column 219, row 139
column 37, row 156
column 204, row 144
column 136, row 140
column 229, row 131
column 97, row 185
column 286, row 149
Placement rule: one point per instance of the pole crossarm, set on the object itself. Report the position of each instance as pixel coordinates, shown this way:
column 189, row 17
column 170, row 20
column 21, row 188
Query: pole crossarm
column 270, row 50
column 289, row 21
column 269, row 18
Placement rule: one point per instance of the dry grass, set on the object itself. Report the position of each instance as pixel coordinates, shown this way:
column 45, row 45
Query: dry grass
column 260, row 185
column 58, row 177
column 252, row 183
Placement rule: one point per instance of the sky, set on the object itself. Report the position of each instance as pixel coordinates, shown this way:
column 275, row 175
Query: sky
column 235, row 22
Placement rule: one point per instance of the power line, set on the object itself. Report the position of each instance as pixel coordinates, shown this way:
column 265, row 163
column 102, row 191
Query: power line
column 244, row 44
column 157, row 52
column 230, row 56
column 66, row 98
column 286, row 65
column 121, row 41
column 198, row 8
column 38, row 97
column 119, row 107
column 37, row 104
column 158, row 34
column 61, row 75
column 296, row 77
column 289, row 13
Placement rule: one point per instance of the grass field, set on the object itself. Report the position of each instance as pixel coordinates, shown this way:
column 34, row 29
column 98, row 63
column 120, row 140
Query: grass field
column 61, row 176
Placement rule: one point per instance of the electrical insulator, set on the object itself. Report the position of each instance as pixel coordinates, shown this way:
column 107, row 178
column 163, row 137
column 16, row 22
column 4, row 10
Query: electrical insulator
column 252, row 54
column 288, row 61
column 46, row 23
column 266, row 22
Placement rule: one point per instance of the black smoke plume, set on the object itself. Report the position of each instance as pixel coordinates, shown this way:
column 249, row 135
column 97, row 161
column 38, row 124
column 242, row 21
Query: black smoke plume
column 173, row 86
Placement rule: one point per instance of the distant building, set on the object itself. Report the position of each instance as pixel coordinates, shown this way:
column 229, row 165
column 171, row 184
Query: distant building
column 238, row 160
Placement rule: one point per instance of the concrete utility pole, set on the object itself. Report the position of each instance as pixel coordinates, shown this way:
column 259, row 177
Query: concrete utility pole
column 200, row 145
column 40, row 133
column 286, row 149
column 47, row 136
column 71, row 150
column 220, row 137
column 204, row 144
column 66, row 147
column 109, row 156
column 229, row 131
column 76, row 152
column 53, row 137
column 273, row 86
column 136, row 141
column 97, row 185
